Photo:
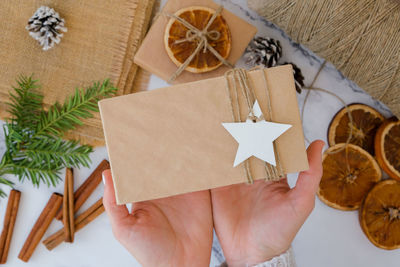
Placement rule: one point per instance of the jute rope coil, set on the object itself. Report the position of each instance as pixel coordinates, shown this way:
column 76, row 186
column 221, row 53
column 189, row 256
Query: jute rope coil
column 361, row 38
column 237, row 81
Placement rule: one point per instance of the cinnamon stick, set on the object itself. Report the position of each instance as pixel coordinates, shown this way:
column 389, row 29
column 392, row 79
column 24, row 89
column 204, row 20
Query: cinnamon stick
column 9, row 223
column 87, row 188
column 80, row 221
column 68, row 206
column 40, row 227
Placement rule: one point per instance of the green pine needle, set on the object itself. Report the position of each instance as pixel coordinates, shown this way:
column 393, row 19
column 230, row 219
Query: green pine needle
column 33, row 136
column 61, row 118
column 26, row 169
column 57, row 151
column 26, row 103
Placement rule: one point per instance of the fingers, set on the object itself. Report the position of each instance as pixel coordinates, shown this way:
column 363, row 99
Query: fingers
column 115, row 212
column 308, row 181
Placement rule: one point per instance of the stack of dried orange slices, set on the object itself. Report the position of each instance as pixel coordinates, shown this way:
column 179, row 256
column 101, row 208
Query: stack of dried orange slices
column 352, row 177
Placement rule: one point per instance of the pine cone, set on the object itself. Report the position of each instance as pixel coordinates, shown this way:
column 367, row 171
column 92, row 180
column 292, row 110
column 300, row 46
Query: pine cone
column 298, row 76
column 46, row 26
column 263, row 51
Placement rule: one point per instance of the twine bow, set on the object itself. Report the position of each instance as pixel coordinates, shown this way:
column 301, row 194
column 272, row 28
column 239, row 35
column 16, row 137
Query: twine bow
column 202, row 37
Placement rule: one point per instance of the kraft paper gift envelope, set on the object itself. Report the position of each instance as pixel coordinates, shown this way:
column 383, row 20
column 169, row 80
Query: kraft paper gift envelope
column 153, row 57
column 171, row 140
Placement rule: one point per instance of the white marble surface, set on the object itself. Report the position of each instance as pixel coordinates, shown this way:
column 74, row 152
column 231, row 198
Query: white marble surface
column 329, row 238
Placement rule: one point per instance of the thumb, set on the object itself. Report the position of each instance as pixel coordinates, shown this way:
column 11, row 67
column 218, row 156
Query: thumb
column 115, row 212
column 308, row 181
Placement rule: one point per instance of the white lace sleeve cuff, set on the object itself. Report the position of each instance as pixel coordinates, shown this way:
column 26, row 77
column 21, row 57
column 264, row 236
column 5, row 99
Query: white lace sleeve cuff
column 284, row 260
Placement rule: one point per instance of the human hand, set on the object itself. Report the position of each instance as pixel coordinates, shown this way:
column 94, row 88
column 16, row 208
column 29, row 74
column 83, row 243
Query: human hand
column 257, row 222
column 173, row 231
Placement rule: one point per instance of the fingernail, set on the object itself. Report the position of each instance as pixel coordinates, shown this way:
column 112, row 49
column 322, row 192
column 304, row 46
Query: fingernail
column 104, row 179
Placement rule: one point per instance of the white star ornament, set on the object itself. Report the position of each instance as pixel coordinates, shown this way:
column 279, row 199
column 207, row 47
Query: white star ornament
column 255, row 138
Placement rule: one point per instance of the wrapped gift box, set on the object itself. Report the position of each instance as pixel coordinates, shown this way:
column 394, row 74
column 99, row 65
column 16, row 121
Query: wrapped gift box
column 152, row 54
column 171, row 140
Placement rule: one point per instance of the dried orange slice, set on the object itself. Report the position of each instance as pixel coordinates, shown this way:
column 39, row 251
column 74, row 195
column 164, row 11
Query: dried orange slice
column 387, row 148
column 366, row 122
column 380, row 215
column 197, row 16
column 345, row 183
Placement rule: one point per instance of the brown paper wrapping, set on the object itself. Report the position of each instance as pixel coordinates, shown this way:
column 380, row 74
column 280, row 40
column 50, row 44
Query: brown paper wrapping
column 170, row 141
column 153, row 57
column 101, row 41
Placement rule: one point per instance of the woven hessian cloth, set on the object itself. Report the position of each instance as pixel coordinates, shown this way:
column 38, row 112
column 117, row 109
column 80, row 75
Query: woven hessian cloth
column 361, row 38
column 102, row 38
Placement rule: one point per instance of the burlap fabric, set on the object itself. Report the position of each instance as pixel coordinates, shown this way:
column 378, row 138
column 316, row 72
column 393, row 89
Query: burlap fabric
column 102, row 38
column 361, row 38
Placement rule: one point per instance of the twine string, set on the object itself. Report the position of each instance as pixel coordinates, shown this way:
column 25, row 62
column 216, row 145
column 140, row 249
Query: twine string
column 236, row 81
column 350, row 116
column 240, row 79
column 202, row 37
column 247, row 94
column 277, row 172
column 235, row 115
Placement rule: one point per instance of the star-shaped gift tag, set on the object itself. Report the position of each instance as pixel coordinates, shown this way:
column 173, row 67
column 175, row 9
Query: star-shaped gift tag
column 255, row 138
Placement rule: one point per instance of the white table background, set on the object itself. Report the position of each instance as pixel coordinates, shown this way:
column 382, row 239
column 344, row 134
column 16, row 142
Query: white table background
column 329, row 238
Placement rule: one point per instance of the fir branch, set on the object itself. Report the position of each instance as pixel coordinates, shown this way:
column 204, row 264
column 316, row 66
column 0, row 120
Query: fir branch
column 16, row 162
column 26, row 103
column 26, row 169
column 35, row 150
column 59, row 152
column 61, row 118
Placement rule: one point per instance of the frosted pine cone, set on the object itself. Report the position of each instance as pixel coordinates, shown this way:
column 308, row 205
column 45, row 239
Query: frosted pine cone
column 263, row 51
column 46, row 27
